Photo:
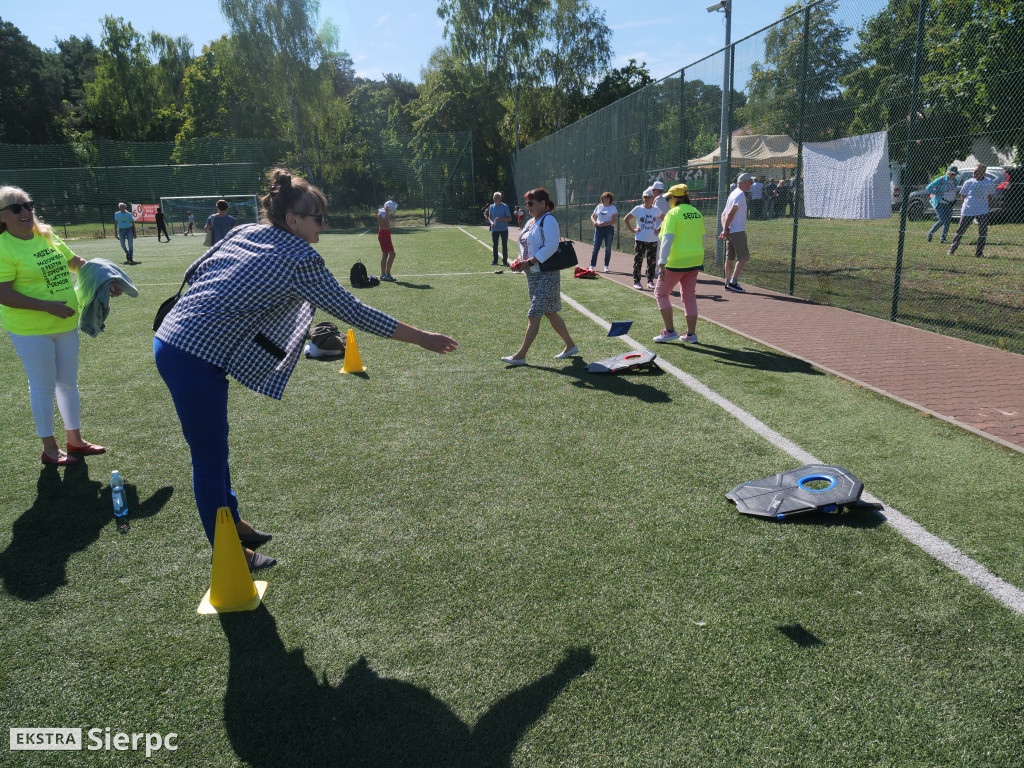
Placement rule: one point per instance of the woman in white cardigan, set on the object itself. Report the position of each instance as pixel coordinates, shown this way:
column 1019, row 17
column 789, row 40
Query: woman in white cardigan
column 538, row 240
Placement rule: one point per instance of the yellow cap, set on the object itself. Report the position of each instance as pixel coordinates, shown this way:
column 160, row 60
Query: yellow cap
column 677, row 190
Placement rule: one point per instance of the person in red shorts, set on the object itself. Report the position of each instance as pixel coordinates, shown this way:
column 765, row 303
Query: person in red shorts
column 384, row 238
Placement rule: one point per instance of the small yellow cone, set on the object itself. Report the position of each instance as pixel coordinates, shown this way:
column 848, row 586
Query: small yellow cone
column 352, row 362
column 231, row 585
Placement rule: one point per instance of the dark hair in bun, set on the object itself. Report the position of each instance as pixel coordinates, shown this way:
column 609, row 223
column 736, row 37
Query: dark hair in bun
column 289, row 193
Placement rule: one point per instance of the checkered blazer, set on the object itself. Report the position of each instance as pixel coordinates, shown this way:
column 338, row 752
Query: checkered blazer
column 250, row 301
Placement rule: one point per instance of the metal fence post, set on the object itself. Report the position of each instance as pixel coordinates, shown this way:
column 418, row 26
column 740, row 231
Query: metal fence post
column 797, row 185
column 723, row 138
column 905, row 196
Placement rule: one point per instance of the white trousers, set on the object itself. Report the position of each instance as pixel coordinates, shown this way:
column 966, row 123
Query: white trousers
column 51, row 364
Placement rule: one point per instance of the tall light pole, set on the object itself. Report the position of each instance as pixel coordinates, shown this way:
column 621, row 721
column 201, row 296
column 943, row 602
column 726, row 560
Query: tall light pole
column 725, row 6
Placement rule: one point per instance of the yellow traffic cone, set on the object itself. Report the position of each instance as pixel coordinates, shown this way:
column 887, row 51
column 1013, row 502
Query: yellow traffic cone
column 352, row 362
column 231, row 585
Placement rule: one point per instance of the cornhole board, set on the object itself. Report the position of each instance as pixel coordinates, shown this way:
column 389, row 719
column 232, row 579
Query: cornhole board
column 624, row 363
column 811, row 488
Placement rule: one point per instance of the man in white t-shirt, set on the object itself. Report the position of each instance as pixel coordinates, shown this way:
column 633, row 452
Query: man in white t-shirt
column 976, row 193
column 734, row 232
column 642, row 221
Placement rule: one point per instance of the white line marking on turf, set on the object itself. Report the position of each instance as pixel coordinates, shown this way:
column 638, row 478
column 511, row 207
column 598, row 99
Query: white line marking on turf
column 912, row 531
column 915, row 533
column 363, row 233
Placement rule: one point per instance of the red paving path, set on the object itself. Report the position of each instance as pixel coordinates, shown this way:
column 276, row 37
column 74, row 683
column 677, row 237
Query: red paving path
column 975, row 387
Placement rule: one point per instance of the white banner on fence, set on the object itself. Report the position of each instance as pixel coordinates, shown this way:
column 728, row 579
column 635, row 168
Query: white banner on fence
column 848, row 178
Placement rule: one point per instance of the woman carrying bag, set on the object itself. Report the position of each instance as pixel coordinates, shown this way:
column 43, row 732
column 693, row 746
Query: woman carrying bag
column 538, row 241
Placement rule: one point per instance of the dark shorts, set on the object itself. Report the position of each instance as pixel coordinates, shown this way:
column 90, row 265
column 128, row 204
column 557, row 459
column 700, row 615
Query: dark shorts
column 384, row 238
column 736, row 246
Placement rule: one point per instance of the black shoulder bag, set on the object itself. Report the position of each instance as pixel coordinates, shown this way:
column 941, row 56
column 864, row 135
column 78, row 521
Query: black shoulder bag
column 563, row 258
column 168, row 304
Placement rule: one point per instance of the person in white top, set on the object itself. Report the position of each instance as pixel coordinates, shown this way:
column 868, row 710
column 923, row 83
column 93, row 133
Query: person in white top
column 734, row 232
column 538, row 240
column 660, row 202
column 757, row 200
column 604, row 218
column 977, row 194
column 642, row 221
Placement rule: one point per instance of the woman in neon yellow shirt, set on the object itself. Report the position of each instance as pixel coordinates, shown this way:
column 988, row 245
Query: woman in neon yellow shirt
column 681, row 257
column 39, row 311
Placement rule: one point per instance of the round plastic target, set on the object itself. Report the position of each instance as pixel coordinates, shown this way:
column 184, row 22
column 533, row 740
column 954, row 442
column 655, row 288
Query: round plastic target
column 811, row 478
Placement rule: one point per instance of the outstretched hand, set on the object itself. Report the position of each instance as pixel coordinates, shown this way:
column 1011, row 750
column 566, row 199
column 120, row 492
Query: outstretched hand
column 438, row 342
column 116, row 290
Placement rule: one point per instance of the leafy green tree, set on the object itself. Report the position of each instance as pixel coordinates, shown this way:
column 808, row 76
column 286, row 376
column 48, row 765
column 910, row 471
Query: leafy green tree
column 222, row 98
column 577, row 48
column 279, row 39
column 457, row 95
column 121, row 99
column 30, row 91
column 966, row 87
column 617, row 84
column 77, row 59
column 775, row 86
column 497, row 35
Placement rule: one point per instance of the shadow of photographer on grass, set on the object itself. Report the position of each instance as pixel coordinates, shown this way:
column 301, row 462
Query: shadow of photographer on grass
column 276, row 711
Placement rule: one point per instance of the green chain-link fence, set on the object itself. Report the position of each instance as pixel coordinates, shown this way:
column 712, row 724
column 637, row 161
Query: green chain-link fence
column 430, row 172
column 78, row 187
column 939, row 79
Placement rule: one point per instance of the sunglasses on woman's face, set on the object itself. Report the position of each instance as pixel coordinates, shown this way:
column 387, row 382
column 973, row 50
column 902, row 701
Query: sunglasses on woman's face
column 16, row 207
column 317, row 217
column 530, row 203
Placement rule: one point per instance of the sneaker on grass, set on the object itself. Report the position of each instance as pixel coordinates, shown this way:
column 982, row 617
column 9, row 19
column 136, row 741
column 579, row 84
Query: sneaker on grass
column 689, row 338
column 667, row 335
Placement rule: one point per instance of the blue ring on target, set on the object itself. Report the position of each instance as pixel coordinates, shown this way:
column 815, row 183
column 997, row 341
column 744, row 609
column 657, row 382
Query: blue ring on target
column 808, row 478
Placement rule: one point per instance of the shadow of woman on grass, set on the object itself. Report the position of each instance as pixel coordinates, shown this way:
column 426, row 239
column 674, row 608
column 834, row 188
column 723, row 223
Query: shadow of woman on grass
column 628, row 383
column 277, row 712
column 67, row 516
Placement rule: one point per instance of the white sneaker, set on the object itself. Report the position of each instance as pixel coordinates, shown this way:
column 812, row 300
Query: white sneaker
column 667, row 335
column 690, row 338
column 650, row 286
column 571, row 352
column 513, row 360
column 607, row 270
column 638, row 286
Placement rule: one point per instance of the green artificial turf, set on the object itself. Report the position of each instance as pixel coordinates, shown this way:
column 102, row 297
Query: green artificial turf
column 482, row 565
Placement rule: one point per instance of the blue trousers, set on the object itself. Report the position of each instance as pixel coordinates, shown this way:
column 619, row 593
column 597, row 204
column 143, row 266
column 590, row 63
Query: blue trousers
column 944, row 212
column 200, row 394
column 127, row 240
column 602, row 235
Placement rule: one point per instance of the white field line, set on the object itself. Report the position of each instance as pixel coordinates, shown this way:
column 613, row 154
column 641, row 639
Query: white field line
column 363, row 233
column 943, row 551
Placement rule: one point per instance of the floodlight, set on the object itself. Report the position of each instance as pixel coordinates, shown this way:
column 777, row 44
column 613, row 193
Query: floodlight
column 723, row 5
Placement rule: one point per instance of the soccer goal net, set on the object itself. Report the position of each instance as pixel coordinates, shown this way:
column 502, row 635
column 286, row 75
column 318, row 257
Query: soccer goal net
column 245, row 209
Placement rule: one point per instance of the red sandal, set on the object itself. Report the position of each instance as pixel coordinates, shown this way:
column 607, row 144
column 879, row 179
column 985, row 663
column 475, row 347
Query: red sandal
column 89, row 449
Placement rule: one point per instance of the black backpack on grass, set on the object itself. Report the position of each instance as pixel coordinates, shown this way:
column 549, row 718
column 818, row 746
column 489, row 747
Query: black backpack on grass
column 359, row 277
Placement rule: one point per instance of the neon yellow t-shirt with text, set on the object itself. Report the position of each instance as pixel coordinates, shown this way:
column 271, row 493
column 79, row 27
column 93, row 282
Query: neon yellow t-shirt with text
column 38, row 269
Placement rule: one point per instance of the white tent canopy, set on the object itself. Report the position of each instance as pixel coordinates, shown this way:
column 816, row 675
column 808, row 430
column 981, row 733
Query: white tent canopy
column 759, row 150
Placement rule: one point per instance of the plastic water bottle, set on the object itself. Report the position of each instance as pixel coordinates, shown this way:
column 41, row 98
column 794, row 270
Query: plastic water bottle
column 120, row 502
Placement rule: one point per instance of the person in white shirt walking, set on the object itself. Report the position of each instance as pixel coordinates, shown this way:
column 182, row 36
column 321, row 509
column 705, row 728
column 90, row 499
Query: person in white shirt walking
column 977, row 194
column 734, row 232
